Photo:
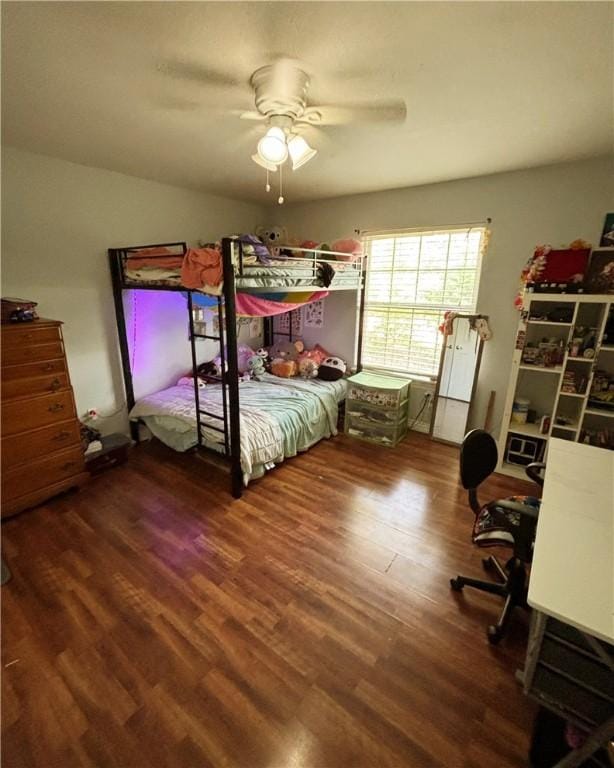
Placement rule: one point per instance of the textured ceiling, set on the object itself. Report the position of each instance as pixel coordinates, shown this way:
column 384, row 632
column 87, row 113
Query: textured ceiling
column 489, row 87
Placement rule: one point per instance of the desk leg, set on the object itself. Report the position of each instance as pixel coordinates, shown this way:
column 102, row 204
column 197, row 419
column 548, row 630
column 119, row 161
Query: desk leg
column 536, row 633
column 597, row 738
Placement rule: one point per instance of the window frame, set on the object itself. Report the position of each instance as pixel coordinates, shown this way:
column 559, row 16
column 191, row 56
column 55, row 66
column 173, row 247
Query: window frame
column 369, row 237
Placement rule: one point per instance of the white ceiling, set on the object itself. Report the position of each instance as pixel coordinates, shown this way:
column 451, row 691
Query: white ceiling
column 489, row 87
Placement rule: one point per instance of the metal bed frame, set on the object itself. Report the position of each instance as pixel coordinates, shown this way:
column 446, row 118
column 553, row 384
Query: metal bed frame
column 232, row 262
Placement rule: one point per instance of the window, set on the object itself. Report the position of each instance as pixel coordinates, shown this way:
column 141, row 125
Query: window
column 412, row 279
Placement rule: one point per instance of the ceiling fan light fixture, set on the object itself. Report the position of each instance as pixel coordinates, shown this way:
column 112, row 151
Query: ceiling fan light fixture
column 272, row 146
column 264, row 163
column 300, row 151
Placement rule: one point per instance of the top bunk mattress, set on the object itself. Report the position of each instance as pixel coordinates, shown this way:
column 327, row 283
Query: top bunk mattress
column 279, row 417
column 290, row 273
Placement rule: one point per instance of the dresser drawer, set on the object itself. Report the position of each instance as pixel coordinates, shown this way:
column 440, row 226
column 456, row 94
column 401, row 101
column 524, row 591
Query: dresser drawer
column 28, row 370
column 31, row 353
column 40, row 442
column 19, row 337
column 42, row 472
column 37, row 385
column 382, row 434
column 375, row 414
column 22, row 415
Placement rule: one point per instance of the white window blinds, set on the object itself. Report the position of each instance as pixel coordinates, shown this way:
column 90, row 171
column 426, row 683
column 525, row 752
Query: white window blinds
column 412, row 279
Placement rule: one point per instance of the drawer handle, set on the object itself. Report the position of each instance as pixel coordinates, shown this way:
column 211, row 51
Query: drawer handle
column 61, row 436
column 55, row 385
column 55, row 408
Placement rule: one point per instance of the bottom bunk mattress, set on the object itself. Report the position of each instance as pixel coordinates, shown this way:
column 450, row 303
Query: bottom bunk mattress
column 279, row 418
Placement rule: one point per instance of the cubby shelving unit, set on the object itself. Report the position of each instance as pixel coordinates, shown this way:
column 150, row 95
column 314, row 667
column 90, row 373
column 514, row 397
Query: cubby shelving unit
column 542, row 377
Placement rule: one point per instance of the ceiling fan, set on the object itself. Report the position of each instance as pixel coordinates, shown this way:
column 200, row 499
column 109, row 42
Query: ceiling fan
column 280, row 97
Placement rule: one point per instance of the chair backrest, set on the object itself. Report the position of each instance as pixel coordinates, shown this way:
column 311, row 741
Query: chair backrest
column 478, row 458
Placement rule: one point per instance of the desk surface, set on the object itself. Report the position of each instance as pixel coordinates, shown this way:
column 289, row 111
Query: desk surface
column 572, row 575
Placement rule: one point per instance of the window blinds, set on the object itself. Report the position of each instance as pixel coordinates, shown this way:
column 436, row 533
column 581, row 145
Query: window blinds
column 412, row 279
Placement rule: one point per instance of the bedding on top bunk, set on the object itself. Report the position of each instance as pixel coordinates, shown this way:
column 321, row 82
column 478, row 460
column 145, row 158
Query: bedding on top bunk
column 279, row 418
column 201, row 269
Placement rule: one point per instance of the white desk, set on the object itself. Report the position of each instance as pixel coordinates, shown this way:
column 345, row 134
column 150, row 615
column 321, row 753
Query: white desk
column 572, row 582
column 572, row 575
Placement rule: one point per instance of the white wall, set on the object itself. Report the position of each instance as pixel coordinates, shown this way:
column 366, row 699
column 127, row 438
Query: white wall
column 553, row 204
column 58, row 220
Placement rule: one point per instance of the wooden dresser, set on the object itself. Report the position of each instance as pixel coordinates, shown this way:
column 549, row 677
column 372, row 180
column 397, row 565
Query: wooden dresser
column 41, row 448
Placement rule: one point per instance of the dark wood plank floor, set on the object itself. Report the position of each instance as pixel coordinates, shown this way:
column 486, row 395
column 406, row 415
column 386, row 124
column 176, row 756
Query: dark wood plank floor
column 154, row 621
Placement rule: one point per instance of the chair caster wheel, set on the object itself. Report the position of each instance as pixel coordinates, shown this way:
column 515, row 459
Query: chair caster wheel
column 494, row 634
column 456, row 584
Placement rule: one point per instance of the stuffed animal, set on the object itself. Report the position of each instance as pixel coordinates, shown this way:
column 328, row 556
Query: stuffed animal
column 263, row 354
column 285, row 350
column 244, row 352
column 351, row 248
column 273, row 237
column 307, row 368
column 331, row 369
column 285, row 369
column 318, row 354
column 255, row 366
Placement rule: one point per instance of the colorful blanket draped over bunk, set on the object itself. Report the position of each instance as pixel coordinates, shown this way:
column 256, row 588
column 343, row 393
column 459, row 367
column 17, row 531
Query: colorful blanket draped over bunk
column 268, row 304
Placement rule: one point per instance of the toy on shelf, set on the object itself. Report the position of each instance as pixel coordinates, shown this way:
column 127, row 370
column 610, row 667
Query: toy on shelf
column 546, row 354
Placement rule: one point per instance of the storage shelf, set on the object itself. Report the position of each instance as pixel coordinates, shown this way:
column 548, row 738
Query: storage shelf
column 543, row 368
column 528, row 430
column 516, row 470
column 545, row 394
column 599, row 412
column 567, row 427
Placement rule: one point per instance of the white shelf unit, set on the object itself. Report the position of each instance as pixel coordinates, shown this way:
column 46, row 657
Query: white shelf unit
column 542, row 385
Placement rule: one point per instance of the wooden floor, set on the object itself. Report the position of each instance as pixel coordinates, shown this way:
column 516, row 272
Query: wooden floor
column 154, row 621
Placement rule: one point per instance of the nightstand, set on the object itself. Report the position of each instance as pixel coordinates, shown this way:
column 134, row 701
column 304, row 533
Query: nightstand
column 376, row 408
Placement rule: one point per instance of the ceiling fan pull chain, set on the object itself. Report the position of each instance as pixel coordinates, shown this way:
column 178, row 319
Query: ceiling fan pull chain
column 280, row 199
column 267, row 186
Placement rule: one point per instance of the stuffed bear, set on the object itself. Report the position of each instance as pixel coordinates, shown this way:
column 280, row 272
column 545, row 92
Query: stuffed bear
column 284, row 358
column 273, row 237
column 283, row 350
column 331, row 369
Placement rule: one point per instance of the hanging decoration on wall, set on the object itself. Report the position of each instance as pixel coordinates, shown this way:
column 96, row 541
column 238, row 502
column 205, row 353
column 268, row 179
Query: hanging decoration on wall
column 314, row 315
column 283, row 322
column 255, row 327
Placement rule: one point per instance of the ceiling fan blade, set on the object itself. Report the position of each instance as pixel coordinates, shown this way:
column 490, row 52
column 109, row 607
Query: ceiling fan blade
column 393, row 111
column 199, row 73
column 251, row 115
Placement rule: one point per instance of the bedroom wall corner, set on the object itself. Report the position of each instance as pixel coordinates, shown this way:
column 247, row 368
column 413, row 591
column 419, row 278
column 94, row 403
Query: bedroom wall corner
column 59, row 219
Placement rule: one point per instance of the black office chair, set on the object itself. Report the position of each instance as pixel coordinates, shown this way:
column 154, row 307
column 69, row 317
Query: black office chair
column 506, row 522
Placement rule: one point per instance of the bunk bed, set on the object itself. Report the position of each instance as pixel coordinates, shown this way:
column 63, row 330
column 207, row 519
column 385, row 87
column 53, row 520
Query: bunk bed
column 252, row 424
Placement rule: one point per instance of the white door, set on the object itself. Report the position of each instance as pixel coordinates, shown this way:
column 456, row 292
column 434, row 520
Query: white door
column 461, row 365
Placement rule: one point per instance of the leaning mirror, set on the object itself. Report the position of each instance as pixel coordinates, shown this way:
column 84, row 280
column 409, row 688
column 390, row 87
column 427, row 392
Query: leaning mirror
column 458, row 371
